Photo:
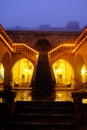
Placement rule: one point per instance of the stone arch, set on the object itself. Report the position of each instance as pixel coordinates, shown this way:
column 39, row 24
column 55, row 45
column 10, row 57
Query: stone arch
column 79, row 62
column 5, row 49
column 43, row 45
column 42, row 42
column 64, row 74
column 66, row 56
column 17, row 57
column 6, row 61
column 22, row 72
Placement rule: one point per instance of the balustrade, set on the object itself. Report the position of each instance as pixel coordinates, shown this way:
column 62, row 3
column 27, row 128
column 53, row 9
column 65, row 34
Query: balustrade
column 5, row 38
column 23, row 48
column 65, row 48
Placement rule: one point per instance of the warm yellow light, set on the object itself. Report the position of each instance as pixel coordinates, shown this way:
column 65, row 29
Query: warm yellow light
column 1, row 73
column 27, row 70
column 58, row 71
column 2, row 70
column 64, row 73
column 83, row 71
column 84, row 74
column 22, row 72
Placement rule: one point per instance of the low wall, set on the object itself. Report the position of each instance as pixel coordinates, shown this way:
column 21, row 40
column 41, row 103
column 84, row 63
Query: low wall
column 80, row 106
column 7, row 104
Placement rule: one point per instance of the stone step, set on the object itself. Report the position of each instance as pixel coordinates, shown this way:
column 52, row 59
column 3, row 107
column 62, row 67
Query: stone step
column 51, row 118
column 43, row 80
column 40, row 126
column 43, row 115
column 46, row 104
column 45, row 111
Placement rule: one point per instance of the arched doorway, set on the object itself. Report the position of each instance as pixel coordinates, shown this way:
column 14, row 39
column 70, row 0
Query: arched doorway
column 22, row 72
column 43, row 45
column 64, row 74
column 1, row 75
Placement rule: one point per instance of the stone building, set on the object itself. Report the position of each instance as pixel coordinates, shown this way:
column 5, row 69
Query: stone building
column 65, row 52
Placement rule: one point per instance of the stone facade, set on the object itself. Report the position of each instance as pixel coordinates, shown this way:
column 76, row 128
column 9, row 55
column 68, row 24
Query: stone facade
column 31, row 37
column 70, row 46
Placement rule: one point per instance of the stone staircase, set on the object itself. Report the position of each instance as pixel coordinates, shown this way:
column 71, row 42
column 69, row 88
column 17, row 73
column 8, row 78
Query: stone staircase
column 40, row 115
column 44, row 88
column 43, row 112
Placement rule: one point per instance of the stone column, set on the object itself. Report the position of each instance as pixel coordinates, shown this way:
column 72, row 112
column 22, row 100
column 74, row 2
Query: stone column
column 7, row 79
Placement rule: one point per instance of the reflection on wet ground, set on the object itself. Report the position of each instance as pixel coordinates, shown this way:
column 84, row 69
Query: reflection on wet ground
column 23, row 95
column 63, row 96
column 26, row 95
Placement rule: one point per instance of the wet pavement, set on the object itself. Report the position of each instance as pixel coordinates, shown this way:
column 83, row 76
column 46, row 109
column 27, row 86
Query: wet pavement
column 26, row 95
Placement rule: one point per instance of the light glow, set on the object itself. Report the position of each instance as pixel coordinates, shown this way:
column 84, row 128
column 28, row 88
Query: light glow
column 83, row 71
column 22, row 72
column 64, row 74
column 84, row 74
column 1, row 76
column 58, row 71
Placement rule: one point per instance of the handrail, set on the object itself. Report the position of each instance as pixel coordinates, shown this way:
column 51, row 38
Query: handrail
column 80, row 43
column 81, row 36
column 64, row 48
column 20, row 47
column 5, row 38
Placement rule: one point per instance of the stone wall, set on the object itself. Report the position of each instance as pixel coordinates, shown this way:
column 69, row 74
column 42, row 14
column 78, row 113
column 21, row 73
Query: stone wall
column 31, row 37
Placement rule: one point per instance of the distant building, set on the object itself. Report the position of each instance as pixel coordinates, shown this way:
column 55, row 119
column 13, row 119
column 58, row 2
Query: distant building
column 73, row 26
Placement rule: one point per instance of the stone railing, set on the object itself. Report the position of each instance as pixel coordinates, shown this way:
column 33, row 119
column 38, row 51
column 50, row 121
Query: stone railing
column 5, row 38
column 64, row 48
column 80, row 105
column 81, row 36
column 23, row 48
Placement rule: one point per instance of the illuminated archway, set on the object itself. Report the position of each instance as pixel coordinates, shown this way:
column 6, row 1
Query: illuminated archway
column 1, row 75
column 64, row 74
column 84, row 74
column 22, row 72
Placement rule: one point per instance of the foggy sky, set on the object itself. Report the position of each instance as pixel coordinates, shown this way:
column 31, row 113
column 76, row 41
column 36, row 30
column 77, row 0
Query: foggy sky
column 32, row 13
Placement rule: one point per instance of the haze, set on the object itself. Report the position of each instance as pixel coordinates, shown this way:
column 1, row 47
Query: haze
column 32, row 13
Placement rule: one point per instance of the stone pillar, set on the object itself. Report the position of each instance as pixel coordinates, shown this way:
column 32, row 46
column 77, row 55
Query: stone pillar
column 7, row 79
column 78, row 82
column 78, row 105
column 80, row 110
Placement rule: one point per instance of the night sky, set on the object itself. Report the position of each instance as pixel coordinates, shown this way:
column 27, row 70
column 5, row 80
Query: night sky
column 32, row 13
